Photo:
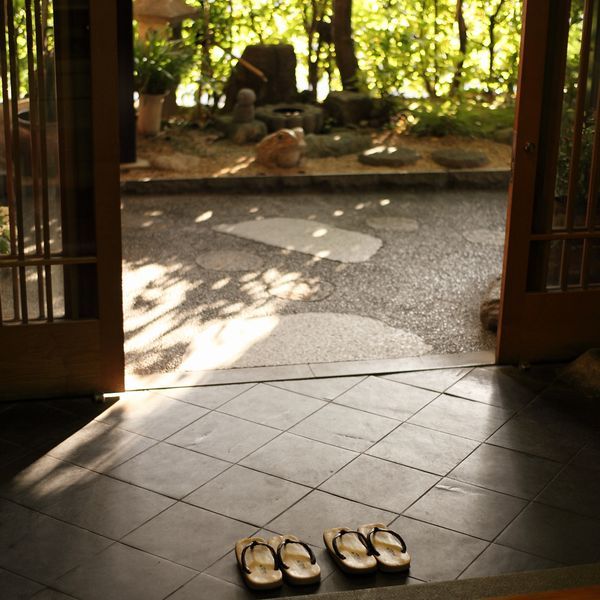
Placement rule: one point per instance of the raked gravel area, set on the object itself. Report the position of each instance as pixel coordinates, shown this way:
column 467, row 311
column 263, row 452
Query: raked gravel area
column 204, row 288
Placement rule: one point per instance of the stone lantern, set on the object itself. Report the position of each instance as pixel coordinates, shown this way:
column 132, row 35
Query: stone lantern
column 158, row 14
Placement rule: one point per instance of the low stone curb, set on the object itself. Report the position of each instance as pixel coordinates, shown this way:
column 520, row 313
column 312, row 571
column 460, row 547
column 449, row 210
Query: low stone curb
column 475, row 179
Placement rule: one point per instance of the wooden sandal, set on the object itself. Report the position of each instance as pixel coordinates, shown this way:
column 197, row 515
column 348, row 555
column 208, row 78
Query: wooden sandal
column 387, row 547
column 350, row 550
column 296, row 560
column 258, row 564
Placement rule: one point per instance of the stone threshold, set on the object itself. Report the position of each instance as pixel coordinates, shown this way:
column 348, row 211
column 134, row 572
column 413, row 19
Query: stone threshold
column 307, row 371
column 561, row 580
column 334, row 182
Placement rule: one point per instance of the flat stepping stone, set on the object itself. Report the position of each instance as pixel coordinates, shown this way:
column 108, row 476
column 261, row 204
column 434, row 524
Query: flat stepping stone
column 459, row 158
column 401, row 224
column 490, row 237
column 336, row 144
column 388, row 156
column 229, row 260
column 308, row 237
column 292, row 339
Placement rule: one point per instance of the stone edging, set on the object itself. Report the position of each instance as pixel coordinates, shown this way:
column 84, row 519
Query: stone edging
column 475, row 179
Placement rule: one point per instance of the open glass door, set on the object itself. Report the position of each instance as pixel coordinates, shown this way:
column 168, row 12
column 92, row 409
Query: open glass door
column 551, row 287
column 61, row 324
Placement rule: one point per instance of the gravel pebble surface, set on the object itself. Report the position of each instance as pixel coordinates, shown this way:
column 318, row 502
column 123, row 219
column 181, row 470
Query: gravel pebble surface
column 428, row 282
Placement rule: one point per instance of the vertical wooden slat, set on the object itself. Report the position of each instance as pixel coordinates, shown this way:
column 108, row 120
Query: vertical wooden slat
column 34, row 120
column 105, row 120
column 574, row 174
column 8, row 146
column 42, row 88
column 18, row 189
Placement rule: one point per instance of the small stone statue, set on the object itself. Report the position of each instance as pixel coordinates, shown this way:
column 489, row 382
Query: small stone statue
column 284, row 148
column 243, row 111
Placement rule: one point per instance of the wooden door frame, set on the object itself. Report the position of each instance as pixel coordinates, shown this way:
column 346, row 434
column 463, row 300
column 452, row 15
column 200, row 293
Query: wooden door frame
column 529, row 329
column 82, row 354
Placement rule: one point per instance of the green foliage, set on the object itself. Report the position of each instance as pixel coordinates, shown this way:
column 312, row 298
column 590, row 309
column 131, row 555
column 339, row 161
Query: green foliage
column 405, row 48
column 4, row 231
column 160, row 63
column 439, row 119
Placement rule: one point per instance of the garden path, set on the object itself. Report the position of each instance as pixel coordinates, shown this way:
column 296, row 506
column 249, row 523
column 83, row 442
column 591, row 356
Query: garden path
column 199, row 298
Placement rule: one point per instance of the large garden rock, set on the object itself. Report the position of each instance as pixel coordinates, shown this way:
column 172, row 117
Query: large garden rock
column 277, row 62
column 584, row 373
column 489, row 311
column 336, row 144
column 283, row 148
column 349, row 108
column 504, row 136
column 388, row 156
column 291, row 115
column 460, row 158
column 241, row 133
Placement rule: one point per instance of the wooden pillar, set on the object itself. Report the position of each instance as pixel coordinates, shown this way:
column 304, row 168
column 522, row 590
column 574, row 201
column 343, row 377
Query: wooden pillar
column 126, row 89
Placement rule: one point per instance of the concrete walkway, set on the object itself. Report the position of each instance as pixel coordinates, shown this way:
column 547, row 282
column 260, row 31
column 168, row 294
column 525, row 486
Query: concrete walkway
column 205, row 288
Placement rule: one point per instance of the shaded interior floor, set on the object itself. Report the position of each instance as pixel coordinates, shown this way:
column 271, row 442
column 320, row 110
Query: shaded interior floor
column 197, row 298
column 483, row 470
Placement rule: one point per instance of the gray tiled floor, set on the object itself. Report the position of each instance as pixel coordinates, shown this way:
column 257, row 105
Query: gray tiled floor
column 481, row 470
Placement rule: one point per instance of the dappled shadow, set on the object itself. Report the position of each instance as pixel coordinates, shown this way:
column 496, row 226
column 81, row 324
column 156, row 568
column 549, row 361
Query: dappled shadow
column 183, row 314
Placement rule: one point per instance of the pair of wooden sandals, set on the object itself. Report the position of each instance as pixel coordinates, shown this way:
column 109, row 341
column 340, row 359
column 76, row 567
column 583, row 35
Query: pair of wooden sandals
column 369, row 547
column 264, row 565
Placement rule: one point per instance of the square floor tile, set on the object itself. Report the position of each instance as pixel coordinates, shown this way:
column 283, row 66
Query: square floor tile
column 423, row 448
column 15, row 587
column 10, row 452
column 387, row 398
column 189, row 536
column 506, row 471
column 44, row 482
column 541, row 438
column 319, row 511
column 272, row 406
column 205, row 587
column 437, row 380
column 576, row 489
column 466, row 418
column 107, row 506
column 507, row 387
column 223, row 436
column 299, row 459
column 151, row 414
column 35, row 424
column 554, row 534
column 345, row 427
column 170, row 470
column 466, row 508
column 100, row 447
column 497, row 560
column 326, row 388
column 123, row 573
column 436, row 554
column 380, row 483
column 210, row 396
column 40, row 547
column 340, row 582
column 247, row 495
column 589, row 457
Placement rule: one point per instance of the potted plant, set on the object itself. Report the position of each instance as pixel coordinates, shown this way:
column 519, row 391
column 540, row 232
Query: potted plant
column 159, row 65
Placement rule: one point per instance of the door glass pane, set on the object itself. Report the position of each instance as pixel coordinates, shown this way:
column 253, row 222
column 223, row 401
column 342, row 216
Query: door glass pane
column 571, row 133
column 575, row 254
column 594, row 263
